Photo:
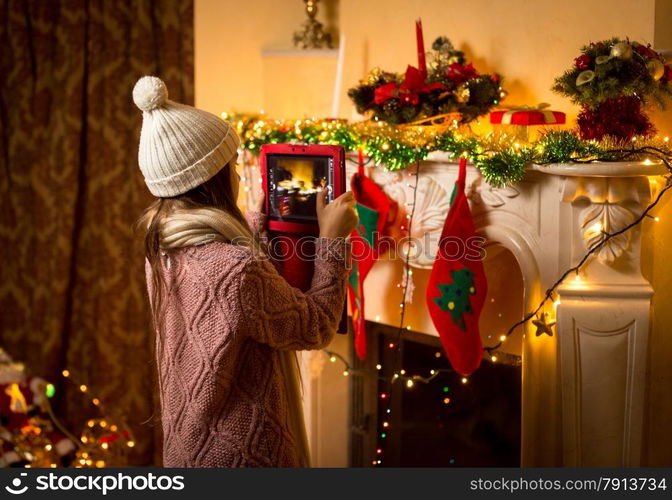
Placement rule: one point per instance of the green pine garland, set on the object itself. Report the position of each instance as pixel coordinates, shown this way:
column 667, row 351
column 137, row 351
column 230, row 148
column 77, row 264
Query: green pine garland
column 501, row 163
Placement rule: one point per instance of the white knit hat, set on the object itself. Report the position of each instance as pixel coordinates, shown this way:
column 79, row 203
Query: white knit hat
column 181, row 147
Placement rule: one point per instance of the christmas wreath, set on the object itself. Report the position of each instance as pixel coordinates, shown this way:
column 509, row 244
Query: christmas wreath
column 448, row 85
column 613, row 80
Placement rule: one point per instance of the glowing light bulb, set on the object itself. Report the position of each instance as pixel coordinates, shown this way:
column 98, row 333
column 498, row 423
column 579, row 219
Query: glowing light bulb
column 332, row 359
column 502, row 338
column 378, row 367
column 493, row 359
column 648, row 162
column 130, row 444
column 657, row 219
column 377, row 317
column 66, row 373
column 596, row 228
column 409, row 383
column 446, row 401
column 95, row 401
column 465, row 380
column 83, row 388
column 346, row 373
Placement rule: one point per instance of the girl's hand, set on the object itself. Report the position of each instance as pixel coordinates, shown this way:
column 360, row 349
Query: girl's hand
column 338, row 218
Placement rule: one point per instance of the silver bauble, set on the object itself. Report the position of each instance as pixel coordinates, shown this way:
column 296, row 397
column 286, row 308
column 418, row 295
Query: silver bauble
column 622, row 50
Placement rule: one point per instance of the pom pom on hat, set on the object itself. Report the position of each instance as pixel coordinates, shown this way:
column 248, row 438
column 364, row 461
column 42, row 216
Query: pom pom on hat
column 150, row 93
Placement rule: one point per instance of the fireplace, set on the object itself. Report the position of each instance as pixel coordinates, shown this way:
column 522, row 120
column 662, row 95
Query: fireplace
column 582, row 398
column 440, row 423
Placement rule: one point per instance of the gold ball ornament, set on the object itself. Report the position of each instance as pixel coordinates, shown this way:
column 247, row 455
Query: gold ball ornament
column 656, row 69
column 463, row 93
column 622, row 50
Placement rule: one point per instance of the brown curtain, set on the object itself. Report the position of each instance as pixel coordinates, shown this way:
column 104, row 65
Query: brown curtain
column 72, row 289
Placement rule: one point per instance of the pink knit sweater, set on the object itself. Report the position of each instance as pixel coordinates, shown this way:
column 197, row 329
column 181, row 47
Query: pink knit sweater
column 223, row 396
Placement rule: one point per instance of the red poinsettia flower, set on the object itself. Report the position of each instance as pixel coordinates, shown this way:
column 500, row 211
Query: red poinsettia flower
column 409, row 91
column 646, row 51
column 667, row 75
column 583, row 61
column 460, row 73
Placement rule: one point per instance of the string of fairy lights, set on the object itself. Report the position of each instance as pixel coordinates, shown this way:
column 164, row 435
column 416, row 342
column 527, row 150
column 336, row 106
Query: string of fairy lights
column 102, row 441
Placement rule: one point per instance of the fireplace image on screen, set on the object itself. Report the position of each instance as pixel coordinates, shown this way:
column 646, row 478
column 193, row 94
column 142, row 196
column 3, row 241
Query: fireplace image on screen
column 294, row 184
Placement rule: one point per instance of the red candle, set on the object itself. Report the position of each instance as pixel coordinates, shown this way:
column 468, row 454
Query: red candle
column 422, row 64
column 361, row 162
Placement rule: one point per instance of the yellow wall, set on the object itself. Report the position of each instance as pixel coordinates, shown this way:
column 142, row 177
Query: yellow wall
column 529, row 42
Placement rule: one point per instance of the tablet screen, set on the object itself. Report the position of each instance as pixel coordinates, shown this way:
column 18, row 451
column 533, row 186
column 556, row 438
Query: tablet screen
column 293, row 184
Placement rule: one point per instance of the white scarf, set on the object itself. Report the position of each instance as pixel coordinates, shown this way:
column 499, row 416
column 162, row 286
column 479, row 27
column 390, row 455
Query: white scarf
column 199, row 226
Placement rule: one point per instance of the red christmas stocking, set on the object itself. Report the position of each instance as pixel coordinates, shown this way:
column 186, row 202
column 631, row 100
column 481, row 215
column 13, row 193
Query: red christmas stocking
column 373, row 207
column 457, row 286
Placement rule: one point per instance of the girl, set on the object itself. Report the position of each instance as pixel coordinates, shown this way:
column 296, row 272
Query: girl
column 227, row 324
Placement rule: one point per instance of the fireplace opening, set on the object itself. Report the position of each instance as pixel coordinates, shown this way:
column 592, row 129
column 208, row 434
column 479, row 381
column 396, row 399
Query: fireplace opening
column 444, row 422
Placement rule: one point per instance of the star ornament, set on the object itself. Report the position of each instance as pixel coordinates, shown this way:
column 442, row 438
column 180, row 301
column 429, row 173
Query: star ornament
column 543, row 325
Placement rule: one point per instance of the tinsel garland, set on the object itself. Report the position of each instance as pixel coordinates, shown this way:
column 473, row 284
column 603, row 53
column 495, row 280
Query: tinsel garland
column 500, row 158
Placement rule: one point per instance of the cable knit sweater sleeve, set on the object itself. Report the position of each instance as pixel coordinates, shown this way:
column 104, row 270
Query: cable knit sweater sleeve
column 284, row 317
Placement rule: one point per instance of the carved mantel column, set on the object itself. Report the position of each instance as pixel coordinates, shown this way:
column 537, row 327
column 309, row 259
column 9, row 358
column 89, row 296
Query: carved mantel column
column 603, row 313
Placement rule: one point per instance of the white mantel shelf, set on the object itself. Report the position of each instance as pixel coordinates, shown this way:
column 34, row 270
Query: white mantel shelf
column 583, row 388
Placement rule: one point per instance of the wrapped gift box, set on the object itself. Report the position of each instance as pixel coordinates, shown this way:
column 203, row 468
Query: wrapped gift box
column 518, row 121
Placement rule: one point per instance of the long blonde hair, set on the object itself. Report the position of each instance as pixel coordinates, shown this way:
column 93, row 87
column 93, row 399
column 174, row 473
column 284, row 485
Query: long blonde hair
column 213, row 196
